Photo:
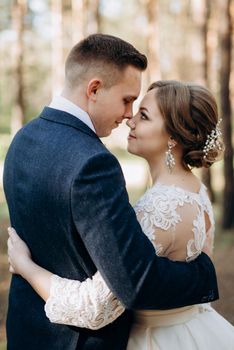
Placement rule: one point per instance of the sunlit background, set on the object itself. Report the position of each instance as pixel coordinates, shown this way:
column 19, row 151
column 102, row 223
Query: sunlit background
column 189, row 40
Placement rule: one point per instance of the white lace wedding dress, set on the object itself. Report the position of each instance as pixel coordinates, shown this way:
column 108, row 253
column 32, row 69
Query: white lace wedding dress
column 180, row 224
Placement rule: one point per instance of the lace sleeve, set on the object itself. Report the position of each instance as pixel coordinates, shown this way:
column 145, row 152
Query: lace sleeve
column 88, row 304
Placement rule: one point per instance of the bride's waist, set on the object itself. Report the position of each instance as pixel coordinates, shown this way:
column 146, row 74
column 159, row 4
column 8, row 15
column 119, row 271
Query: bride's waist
column 158, row 318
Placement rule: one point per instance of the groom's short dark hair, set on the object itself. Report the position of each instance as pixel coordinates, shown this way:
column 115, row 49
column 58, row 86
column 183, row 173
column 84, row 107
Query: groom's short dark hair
column 103, row 54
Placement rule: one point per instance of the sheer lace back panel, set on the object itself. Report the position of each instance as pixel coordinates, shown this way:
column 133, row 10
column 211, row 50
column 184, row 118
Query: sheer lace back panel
column 178, row 222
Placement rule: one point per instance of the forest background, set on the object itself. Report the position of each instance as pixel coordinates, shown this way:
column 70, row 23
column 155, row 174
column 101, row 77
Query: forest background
column 189, row 40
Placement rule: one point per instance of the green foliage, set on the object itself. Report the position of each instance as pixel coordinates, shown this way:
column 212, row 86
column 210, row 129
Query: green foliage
column 3, row 346
column 5, row 19
column 3, row 211
column 5, row 140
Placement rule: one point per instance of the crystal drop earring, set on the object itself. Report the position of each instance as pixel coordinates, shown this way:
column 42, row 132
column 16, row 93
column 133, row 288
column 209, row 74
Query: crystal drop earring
column 170, row 160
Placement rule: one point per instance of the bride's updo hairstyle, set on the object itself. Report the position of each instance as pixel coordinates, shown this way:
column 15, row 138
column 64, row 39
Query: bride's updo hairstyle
column 190, row 114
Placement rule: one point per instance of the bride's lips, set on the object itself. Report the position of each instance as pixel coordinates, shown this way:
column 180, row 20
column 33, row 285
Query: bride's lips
column 131, row 137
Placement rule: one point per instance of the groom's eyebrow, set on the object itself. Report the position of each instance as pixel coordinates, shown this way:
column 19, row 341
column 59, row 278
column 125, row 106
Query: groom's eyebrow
column 130, row 98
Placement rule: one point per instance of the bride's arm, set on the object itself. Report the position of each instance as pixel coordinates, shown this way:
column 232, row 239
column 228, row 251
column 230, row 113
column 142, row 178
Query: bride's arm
column 89, row 304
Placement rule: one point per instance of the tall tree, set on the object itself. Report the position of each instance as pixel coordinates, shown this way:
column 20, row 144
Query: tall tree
column 78, row 8
column 57, row 46
column 92, row 16
column 18, row 20
column 225, row 42
column 205, row 19
column 86, row 18
column 152, row 39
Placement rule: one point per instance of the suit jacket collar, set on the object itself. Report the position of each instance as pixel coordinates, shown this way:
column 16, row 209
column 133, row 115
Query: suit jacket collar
column 63, row 104
column 61, row 117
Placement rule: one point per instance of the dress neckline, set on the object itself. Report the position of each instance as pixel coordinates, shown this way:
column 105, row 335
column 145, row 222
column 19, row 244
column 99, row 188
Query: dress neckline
column 159, row 183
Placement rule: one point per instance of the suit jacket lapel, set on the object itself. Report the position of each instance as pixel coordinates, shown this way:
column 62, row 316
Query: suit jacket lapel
column 61, row 117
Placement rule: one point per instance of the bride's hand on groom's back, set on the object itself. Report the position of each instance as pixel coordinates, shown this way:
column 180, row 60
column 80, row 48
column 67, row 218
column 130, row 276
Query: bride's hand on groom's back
column 18, row 252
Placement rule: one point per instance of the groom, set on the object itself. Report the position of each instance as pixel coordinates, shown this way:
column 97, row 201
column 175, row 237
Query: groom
column 66, row 196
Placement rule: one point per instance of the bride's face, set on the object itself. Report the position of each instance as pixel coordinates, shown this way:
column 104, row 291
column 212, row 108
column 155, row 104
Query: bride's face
column 148, row 137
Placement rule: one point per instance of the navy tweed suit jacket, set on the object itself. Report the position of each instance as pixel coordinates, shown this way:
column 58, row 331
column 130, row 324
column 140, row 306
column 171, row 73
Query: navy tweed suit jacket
column 67, row 199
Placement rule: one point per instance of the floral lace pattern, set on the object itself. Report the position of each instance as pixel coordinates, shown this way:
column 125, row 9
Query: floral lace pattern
column 90, row 303
column 157, row 208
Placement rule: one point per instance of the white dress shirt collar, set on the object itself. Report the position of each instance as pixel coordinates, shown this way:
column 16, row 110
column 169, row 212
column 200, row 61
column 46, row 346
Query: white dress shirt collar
column 63, row 104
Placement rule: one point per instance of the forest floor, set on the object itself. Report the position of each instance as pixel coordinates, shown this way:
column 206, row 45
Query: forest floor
column 223, row 258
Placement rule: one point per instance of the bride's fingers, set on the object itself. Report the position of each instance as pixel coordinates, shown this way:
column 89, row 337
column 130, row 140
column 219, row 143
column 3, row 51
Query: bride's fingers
column 12, row 233
column 10, row 247
column 11, row 269
column 9, row 244
column 10, row 230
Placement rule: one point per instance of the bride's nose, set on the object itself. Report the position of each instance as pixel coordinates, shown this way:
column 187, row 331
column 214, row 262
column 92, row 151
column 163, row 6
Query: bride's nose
column 131, row 123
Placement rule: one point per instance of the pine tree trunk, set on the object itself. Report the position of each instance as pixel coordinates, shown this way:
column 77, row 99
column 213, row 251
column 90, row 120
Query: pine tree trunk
column 78, row 10
column 225, row 41
column 153, row 70
column 92, row 17
column 18, row 111
column 57, row 47
column 206, row 173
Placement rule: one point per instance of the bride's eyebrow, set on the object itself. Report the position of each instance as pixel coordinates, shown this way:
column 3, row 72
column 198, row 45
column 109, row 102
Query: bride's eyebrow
column 144, row 108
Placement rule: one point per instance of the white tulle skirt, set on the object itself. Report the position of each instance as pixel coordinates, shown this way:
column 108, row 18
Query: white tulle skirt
column 197, row 327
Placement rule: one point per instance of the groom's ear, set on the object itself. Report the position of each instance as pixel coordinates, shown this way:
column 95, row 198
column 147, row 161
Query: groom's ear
column 92, row 88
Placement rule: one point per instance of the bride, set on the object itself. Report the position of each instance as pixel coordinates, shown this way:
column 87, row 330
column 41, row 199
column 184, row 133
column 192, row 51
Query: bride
column 175, row 130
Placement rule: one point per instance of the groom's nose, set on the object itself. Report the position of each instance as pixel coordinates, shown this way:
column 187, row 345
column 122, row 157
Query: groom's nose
column 128, row 111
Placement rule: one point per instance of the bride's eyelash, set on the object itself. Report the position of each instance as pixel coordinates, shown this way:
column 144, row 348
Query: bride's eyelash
column 143, row 116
